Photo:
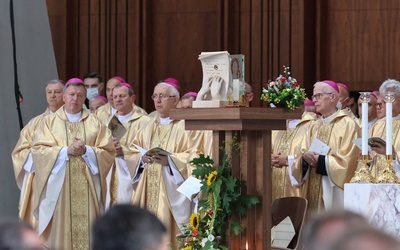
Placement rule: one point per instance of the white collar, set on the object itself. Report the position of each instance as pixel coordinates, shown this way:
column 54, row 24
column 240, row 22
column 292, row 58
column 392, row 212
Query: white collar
column 330, row 118
column 124, row 118
column 166, row 120
column 73, row 117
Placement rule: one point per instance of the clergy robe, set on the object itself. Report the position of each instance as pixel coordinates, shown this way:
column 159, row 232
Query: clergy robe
column 23, row 167
column 379, row 130
column 124, row 167
column 70, row 190
column 326, row 182
column 157, row 184
column 105, row 112
column 287, row 142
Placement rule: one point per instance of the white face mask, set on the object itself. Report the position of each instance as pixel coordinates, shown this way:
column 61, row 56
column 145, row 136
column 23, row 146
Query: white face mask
column 92, row 93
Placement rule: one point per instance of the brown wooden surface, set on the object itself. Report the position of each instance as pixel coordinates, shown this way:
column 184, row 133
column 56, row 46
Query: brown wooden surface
column 252, row 166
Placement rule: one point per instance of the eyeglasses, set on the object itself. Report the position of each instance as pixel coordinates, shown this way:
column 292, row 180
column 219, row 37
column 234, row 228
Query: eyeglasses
column 161, row 96
column 319, row 95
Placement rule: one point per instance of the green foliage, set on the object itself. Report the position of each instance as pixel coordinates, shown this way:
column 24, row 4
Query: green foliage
column 222, row 198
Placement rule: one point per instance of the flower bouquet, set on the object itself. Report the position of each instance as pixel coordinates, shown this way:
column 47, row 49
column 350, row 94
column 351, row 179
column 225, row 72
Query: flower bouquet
column 221, row 197
column 284, row 91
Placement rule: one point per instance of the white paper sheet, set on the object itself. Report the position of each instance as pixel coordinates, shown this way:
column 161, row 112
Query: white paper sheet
column 283, row 233
column 319, row 147
column 190, row 187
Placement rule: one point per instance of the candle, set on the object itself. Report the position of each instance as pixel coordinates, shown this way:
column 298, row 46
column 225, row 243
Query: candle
column 388, row 128
column 247, row 246
column 364, row 127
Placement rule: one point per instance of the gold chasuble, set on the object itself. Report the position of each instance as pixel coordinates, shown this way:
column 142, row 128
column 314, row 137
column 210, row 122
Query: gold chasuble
column 70, row 192
column 338, row 132
column 156, row 189
column 21, row 156
column 287, row 142
column 379, row 130
column 124, row 167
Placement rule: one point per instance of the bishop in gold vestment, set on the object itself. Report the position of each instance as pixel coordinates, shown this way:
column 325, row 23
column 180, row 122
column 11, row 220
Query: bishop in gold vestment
column 22, row 156
column 285, row 143
column 124, row 167
column 379, row 129
column 72, row 154
column 159, row 176
column 326, row 173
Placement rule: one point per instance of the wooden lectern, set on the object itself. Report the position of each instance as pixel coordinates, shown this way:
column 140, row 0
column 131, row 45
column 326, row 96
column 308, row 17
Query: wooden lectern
column 253, row 127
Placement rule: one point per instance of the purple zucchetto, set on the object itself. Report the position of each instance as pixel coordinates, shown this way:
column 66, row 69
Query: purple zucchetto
column 74, row 80
column 173, row 82
column 332, row 84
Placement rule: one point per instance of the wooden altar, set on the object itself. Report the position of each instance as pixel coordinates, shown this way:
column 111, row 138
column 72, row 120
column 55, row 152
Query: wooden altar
column 253, row 128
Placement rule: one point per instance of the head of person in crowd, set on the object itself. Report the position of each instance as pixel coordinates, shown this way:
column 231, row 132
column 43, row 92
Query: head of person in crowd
column 97, row 102
column 187, row 100
column 54, row 94
column 323, row 229
column 74, row 95
column 372, row 107
column 309, row 106
column 124, row 97
column 380, row 107
column 114, row 81
column 19, row 236
column 326, row 97
column 393, row 86
column 344, row 96
column 352, row 105
column 94, row 84
column 165, row 97
column 248, row 94
column 366, row 239
column 126, row 227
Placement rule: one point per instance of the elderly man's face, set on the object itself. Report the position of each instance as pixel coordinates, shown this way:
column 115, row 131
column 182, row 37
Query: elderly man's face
column 74, row 98
column 380, row 107
column 324, row 100
column 54, row 96
column 163, row 101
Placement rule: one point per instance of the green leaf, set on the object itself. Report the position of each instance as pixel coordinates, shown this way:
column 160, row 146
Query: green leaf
column 230, row 185
column 236, row 228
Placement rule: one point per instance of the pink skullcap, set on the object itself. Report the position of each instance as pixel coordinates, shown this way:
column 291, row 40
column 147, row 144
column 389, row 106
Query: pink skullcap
column 74, row 80
column 308, row 103
column 332, row 84
column 173, row 82
column 194, row 94
column 100, row 97
column 122, row 80
column 375, row 93
column 343, row 85
column 125, row 84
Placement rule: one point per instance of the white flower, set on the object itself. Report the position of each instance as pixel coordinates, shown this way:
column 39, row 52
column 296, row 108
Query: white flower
column 203, row 242
column 211, row 237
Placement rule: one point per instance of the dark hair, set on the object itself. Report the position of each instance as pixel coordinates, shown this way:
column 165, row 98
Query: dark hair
column 126, row 227
column 93, row 75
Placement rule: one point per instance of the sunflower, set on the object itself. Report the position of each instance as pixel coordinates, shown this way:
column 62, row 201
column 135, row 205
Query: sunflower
column 187, row 248
column 212, row 177
column 194, row 221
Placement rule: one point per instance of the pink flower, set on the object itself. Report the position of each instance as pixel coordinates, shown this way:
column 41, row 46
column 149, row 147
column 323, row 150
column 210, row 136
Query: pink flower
column 195, row 233
column 271, row 84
